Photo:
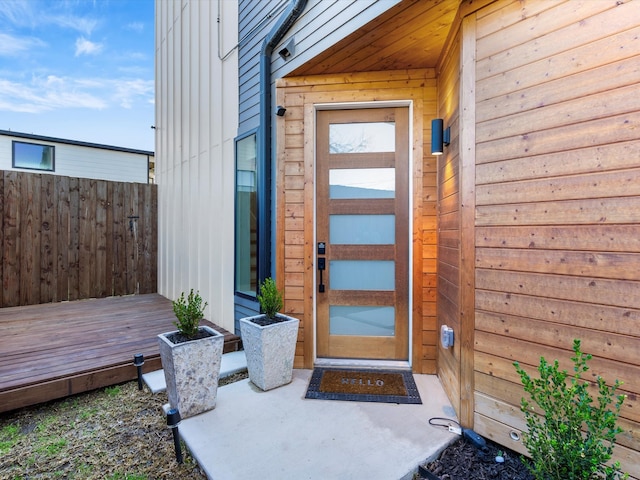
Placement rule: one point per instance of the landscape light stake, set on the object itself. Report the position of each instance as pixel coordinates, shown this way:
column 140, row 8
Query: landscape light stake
column 138, row 361
column 173, row 420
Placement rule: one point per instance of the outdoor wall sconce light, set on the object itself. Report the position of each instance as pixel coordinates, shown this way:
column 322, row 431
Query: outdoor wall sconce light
column 288, row 50
column 440, row 137
column 173, row 420
column 280, row 111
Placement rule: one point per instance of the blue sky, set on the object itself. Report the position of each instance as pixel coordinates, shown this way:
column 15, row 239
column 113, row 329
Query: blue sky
column 79, row 70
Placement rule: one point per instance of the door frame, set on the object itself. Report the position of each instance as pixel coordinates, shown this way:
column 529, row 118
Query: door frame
column 361, row 106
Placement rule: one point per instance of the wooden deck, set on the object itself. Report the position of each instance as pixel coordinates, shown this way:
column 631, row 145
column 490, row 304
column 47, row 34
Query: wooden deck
column 60, row 349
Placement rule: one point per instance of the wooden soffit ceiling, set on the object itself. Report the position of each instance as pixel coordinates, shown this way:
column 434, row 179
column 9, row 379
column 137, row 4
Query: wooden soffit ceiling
column 411, row 34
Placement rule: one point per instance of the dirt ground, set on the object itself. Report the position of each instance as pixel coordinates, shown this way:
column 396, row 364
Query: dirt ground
column 115, row 433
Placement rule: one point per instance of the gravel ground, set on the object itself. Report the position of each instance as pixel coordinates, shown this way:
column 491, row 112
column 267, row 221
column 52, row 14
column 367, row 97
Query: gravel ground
column 115, row 433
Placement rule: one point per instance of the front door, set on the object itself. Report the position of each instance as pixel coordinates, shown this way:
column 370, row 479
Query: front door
column 362, row 230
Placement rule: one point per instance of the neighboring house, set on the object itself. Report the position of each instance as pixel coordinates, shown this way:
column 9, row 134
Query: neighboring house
column 521, row 236
column 39, row 154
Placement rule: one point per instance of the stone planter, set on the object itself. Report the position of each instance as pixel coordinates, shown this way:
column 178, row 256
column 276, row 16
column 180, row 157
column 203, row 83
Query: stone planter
column 191, row 370
column 270, row 350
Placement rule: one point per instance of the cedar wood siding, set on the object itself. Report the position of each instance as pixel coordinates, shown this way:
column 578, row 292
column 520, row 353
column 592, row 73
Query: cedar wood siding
column 535, row 205
column 448, row 240
column 321, row 24
column 557, row 193
column 295, row 150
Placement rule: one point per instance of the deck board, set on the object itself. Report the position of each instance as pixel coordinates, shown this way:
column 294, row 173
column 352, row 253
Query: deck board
column 54, row 350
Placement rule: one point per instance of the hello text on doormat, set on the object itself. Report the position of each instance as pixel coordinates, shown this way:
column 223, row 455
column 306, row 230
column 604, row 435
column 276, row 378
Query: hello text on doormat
column 363, row 385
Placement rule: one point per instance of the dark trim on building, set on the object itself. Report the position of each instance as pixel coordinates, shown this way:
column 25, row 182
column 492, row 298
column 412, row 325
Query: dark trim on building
column 42, row 138
column 277, row 33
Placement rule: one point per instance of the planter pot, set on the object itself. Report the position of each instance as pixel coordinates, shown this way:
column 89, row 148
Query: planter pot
column 270, row 350
column 191, row 370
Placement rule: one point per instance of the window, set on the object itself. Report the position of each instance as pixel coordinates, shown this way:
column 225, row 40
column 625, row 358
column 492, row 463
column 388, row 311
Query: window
column 246, row 247
column 33, row 156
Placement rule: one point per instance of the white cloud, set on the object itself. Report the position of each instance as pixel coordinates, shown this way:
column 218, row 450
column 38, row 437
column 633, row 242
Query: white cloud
column 127, row 91
column 17, row 13
column 13, row 46
column 52, row 92
column 81, row 24
column 87, row 47
column 23, row 13
column 135, row 26
column 45, row 94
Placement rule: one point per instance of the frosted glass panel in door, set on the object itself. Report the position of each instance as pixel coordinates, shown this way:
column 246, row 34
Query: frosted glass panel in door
column 362, row 229
column 350, row 183
column 362, row 137
column 362, row 320
column 362, row 274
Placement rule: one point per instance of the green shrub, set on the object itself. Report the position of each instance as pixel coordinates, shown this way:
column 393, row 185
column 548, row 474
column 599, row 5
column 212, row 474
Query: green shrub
column 270, row 298
column 569, row 437
column 189, row 312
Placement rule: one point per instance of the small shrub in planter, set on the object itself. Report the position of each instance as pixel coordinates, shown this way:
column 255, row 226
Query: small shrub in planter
column 191, row 358
column 270, row 298
column 189, row 312
column 269, row 340
column 570, row 437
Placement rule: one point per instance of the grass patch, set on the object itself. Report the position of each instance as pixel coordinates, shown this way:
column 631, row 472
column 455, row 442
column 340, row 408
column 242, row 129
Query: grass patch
column 8, row 437
column 112, row 391
column 117, row 433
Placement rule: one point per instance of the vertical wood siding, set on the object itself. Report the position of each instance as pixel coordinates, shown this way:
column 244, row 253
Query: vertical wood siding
column 557, row 202
column 295, row 195
column 196, row 123
column 68, row 238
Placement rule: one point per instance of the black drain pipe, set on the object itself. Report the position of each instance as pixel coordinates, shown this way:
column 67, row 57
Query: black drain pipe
column 282, row 26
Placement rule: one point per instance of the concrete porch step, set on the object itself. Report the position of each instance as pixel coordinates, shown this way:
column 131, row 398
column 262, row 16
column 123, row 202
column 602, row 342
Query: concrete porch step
column 232, row 362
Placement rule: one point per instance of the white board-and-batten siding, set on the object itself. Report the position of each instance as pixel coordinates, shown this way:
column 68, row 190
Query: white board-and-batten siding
column 196, row 123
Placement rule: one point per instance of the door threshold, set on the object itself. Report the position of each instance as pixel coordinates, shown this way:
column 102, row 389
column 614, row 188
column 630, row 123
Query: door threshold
column 359, row 363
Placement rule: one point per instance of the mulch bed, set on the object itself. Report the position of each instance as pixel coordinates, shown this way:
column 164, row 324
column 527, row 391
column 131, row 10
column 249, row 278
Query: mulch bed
column 463, row 461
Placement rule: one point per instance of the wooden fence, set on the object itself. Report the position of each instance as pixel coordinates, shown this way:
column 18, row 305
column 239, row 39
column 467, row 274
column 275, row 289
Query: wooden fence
column 66, row 238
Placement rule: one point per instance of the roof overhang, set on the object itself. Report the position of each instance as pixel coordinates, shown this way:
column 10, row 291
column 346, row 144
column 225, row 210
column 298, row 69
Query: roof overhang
column 410, row 35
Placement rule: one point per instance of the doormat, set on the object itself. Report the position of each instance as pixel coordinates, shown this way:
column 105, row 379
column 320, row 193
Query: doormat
column 363, row 385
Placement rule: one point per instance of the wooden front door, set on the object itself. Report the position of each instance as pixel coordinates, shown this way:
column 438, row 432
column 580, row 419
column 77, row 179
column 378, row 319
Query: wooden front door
column 362, row 232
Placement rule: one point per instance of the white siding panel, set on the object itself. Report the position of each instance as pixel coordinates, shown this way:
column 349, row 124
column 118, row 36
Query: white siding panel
column 83, row 161
column 196, row 115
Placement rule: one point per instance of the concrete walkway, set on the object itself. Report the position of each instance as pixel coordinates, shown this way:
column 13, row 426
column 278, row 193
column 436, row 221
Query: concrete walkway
column 279, row 435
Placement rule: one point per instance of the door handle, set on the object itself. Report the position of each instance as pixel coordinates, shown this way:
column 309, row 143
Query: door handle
column 321, row 266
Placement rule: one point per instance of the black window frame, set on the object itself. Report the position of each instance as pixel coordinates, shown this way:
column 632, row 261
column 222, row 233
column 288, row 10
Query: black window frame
column 251, row 295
